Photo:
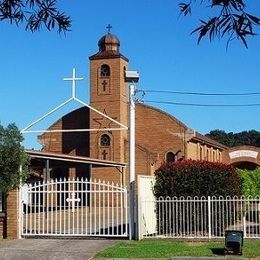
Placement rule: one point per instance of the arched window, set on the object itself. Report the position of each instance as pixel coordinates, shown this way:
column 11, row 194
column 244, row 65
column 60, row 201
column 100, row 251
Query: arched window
column 104, row 71
column 105, row 140
column 170, row 157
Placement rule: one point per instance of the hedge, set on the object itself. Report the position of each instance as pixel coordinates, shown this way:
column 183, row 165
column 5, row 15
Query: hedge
column 196, row 178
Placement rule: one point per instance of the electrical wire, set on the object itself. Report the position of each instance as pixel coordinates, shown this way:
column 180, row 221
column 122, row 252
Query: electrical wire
column 201, row 93
column 201, row 105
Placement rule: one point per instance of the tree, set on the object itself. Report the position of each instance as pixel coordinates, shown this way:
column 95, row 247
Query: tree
column 232, row 20
column 231, row 139
column 35, row 13
column 13, row 159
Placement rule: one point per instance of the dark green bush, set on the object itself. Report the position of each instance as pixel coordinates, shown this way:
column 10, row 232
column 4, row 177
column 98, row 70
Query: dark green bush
column 196, row 178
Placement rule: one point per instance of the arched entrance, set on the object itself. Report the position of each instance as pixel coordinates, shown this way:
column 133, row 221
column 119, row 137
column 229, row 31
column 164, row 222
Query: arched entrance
column 246, row 165
column 243, row 157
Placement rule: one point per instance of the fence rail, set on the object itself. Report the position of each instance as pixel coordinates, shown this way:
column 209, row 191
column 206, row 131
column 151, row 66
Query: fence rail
column 205, row 217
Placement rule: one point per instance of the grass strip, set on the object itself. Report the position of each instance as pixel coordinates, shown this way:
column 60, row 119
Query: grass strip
column 170, row 248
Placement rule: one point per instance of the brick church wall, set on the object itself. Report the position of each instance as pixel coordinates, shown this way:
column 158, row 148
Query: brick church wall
column 113, row 103
column 75, row 143
column 158, row 133
column 192, row 151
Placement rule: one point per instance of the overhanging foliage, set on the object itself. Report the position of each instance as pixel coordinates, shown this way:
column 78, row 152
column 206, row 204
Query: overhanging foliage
column 232, row 20
column 35, row 14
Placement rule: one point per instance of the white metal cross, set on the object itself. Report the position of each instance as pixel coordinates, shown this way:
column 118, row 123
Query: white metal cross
column 73, row 200
column 73, row 79
column 73, row 98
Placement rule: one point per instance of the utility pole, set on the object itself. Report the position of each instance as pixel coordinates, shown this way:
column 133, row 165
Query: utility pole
column 132, row 161
column 132, row 77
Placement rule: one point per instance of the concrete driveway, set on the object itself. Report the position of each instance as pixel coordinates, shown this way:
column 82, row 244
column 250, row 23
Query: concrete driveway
column 36, row 249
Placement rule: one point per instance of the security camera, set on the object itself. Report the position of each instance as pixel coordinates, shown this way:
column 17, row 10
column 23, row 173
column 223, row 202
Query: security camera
column 131, row 76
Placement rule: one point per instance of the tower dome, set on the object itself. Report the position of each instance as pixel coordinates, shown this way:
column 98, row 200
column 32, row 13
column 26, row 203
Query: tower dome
column 108, row 46
column 109, row 42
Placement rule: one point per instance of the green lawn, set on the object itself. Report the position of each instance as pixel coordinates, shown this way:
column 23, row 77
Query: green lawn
column 167, row 248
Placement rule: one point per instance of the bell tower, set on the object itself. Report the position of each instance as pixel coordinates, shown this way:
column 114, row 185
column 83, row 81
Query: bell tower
column 109, row 95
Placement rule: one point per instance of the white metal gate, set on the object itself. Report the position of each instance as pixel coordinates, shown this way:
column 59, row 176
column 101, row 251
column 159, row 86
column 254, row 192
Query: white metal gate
column 74, row 207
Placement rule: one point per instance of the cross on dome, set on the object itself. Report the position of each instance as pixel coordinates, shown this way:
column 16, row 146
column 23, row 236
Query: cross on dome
column 109, row 27
column 73, row 79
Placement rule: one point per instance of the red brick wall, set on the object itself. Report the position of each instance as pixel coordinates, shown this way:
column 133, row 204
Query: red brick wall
column 12, row 214
column 76, row 143
column 157, row 133
column 2, row 224
column 113, row 103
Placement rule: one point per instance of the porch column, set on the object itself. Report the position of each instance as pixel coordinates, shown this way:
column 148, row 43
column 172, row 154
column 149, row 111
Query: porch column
column 46, row 171
column 90, row 171
column 122, row 175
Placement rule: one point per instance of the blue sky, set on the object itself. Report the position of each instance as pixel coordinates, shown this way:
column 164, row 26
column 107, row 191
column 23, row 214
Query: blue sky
column 158, row 44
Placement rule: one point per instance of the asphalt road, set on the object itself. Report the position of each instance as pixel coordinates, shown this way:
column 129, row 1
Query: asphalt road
column 58, row 249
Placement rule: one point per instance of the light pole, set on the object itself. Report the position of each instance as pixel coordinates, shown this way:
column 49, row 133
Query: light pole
column 132, row 77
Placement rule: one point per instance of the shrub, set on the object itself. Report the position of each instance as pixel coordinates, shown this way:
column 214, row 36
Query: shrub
column 196, row 178
column 250, row 181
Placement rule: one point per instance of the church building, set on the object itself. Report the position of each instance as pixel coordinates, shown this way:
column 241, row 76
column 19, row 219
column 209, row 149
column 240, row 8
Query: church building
column 159, row 136
column 70, row 151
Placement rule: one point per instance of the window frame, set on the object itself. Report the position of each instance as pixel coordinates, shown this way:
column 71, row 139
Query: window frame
column 106, row 144
column 105, row 67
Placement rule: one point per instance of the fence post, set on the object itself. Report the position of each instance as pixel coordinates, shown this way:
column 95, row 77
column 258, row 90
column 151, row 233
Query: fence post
column 209, row 216
column 139, row 218
column 244, row 203
column 244, row 225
